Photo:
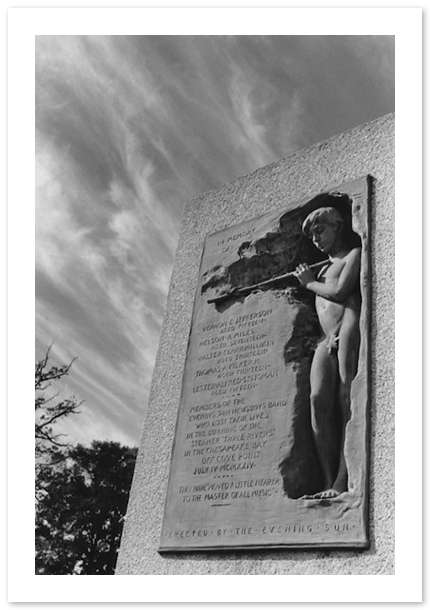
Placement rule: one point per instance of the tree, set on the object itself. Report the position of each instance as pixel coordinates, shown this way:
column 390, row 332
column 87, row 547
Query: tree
column 80, row 519
column 50, row 443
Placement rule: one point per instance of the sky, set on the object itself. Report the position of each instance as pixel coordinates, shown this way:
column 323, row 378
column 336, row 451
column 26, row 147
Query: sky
column 130, row 128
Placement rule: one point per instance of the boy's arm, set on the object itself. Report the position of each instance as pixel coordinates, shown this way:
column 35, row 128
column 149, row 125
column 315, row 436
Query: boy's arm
column 340, row 289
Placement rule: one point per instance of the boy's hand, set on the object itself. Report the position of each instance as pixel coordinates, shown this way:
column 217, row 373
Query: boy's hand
column 304, row 274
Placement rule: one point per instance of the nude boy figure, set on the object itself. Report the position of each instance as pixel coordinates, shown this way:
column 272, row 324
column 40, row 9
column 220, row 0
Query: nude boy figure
column 334, row 364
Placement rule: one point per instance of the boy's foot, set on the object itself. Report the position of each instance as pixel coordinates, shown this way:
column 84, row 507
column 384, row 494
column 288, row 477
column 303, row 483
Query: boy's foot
column 321, row 495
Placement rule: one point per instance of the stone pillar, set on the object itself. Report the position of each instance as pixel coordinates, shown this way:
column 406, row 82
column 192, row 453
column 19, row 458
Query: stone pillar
column 366, row 150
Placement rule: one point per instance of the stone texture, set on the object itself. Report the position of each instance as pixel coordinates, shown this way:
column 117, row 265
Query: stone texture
column 368, row 149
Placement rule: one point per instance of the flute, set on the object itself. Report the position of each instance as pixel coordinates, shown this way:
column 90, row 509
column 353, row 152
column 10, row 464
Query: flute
column 245, row 289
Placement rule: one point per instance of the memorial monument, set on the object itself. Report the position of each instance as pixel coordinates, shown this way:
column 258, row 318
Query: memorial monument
column 258, row 436
column 262, row 442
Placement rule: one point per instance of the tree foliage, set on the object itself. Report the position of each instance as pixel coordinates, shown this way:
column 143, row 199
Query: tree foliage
column 81, row 492
column 80, row 519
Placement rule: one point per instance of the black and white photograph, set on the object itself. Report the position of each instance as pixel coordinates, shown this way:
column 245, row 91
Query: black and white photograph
column 212, row 245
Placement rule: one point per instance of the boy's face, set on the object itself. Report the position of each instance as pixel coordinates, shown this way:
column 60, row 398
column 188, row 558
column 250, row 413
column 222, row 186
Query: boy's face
column 324, row 236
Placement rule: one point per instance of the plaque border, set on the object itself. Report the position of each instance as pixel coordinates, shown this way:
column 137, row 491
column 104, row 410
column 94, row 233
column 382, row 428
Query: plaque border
column 361, row 543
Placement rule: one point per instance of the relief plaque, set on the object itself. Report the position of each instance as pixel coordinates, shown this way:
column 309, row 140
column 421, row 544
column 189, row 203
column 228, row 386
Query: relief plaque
column 271, row 441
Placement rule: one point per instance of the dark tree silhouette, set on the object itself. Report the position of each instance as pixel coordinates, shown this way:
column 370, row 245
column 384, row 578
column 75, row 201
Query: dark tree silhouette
column 81, row 492
column 79, row 521
column 49, row 443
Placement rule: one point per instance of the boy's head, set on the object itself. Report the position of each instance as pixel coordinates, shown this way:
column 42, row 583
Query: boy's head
column 322, row 217
column 324, row 227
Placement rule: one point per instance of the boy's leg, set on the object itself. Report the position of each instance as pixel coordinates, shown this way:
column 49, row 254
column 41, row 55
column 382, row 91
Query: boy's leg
column 324, row 389
column 349, row 338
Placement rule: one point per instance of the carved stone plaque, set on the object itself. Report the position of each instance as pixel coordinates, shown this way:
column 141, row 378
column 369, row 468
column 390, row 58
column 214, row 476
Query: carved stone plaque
column 270, row 446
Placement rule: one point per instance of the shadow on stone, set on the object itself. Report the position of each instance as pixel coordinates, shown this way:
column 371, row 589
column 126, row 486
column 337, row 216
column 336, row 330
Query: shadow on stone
column 299, row 468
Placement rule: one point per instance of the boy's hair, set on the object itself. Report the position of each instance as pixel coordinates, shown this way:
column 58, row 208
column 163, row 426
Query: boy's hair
column 327, row 215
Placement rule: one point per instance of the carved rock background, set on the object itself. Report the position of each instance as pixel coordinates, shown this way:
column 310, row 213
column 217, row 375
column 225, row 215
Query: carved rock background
column 300, row 469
